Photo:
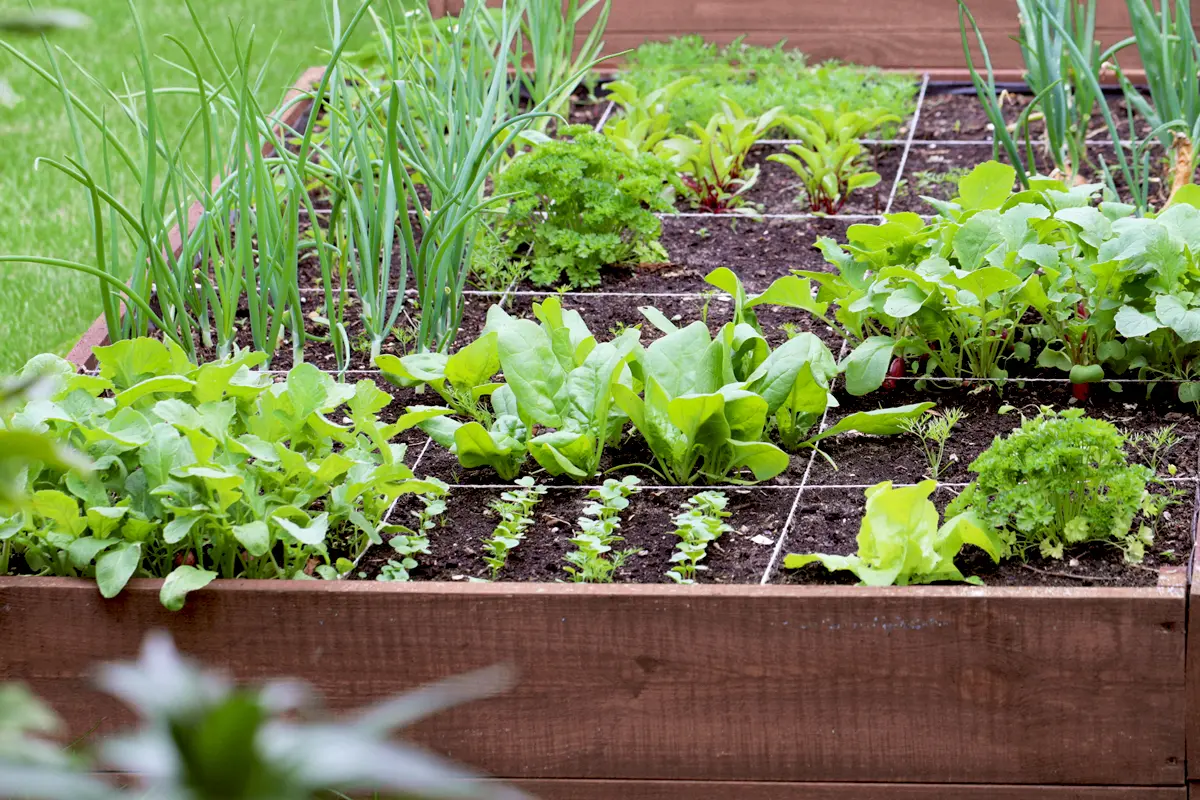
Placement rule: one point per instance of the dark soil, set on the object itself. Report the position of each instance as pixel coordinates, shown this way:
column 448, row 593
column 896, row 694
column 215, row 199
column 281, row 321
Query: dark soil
column 866, row 460
column 959, row 115
column 779, row 190
column 758, row 517
column 933, row 171
column 827, row 521
column 952, row 116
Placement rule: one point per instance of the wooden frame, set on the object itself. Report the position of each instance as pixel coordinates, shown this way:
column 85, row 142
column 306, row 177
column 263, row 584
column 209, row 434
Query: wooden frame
column 655, row 691
column 651, row 683
column 911, row 35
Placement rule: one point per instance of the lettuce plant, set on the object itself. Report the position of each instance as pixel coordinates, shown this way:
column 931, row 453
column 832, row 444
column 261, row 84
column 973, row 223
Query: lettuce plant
column 830, row 162
column 713, row 158
column 701, row 522
column 579, row 204
column 1060, row 479
column 205, row 471
column 594, row 560
column 900, row 542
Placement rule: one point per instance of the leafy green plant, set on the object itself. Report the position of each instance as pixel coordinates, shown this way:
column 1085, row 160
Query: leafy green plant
column 830, row 161
column 557, row 377
column 933, row 431
column 697, row 420
column 579, row 204
column 645, row 119
column 900, row 542
column 202, row 737
column 515, row 509
column 950, row 298
column 795, row 378
column 713, row 158
column 205, row 472
column 462, row 379
column 21, row 449
column 1060, row 479
column 700, row 523
column 758, row 79
column 594, row 560
column 413, row 542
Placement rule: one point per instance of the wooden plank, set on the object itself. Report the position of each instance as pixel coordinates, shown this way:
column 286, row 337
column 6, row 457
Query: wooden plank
column 762, row 790
column 932, row 684
column 896, row 34
column 1193, row 674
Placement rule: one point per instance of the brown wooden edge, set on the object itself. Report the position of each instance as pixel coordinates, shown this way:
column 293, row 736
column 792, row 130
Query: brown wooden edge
column 584, row 789
column 97, row 335
column 646, row 683
column 1192, row 670
column 766, row 790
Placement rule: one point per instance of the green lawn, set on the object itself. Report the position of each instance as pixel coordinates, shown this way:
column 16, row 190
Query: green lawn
column 42, row 309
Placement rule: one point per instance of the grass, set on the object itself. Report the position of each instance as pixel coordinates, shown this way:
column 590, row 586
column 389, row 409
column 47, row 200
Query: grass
column 43, row 309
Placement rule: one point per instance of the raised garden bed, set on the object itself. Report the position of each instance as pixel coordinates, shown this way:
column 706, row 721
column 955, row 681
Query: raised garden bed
column 1062, row 679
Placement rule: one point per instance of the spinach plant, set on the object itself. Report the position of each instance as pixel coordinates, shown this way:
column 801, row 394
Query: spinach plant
column 202, row 737
column 1060, row 479
column 557, row 377
column 701, row 522
column 900, row 542
column 830, row 162
column 515, row 509
column 463, row 379
column 795, row 379
column 205, row 471
column 579, row 203
column 713, row 158
column 594, row 560
column 698, row 421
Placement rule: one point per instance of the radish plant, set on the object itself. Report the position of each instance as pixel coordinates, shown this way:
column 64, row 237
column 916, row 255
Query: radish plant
column 594, row 560
column 701, row 522
column 515, row 509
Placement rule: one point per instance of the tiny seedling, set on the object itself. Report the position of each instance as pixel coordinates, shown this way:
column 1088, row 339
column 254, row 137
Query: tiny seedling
column 594, row 560
column 1155, row 448
column 933, row 431
column 701, row 522
column 515, row 509
column 413, row 543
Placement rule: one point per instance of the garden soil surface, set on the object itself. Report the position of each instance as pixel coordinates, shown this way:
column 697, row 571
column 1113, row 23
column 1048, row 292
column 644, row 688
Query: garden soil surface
column 816, row 505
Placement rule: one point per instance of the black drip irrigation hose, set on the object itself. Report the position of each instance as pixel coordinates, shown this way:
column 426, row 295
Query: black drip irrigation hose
column 1013, row 87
